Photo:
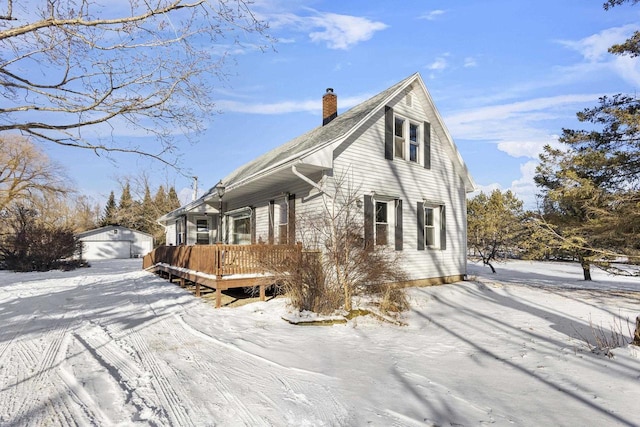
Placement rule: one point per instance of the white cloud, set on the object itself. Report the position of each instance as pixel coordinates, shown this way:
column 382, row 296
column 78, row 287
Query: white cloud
column 597, row 59
column 432, row 15
column 439, row 64
column 470, row 62
column 517, row 128
column 336, row 30
column 524, row 187
column 343, row 31
column 284, row 107
column 595, row 47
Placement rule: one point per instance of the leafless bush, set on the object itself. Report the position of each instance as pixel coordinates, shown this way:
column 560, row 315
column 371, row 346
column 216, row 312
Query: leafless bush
column 338, row 265
column 604, row 340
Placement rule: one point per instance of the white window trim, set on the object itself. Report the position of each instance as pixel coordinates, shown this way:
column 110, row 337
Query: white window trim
column 391, row 202
column 406, row 144
column 232, row 216
column 437, row 222
column 195, row 223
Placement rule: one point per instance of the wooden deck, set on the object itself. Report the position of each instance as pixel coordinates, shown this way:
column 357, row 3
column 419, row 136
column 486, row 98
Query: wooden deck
column 220, row 267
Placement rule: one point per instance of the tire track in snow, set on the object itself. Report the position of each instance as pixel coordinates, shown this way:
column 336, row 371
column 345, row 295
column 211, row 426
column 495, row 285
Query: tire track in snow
column 210, row 370
column 44, row 368
column 42, row 398
column 125, row 375
column 167, row 391
column 295, row 387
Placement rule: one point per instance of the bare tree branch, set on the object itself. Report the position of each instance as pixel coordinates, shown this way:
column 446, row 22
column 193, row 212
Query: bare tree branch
column 72, row 66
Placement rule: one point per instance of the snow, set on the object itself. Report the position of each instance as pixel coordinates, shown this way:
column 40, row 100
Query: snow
column 115, row 345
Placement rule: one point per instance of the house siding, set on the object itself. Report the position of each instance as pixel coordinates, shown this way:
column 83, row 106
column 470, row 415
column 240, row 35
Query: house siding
column 362, row 157
column 363, row 161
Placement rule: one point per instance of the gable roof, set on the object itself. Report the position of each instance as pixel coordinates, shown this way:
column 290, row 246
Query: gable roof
column 322, row 136
column 315, row 138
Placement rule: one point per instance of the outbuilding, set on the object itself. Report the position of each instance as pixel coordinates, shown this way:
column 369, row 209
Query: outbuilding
column 115, row 242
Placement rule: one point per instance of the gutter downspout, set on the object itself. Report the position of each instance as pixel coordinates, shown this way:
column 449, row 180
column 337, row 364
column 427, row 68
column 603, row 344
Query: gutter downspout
column 306, row 179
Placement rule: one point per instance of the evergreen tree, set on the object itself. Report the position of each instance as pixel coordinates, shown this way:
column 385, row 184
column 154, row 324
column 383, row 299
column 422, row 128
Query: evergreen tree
column 173, row 202
column 148, row 212
column 160, row 199
column 110, row 212
column 591, row 188
column 126, row 212
column 494, row 225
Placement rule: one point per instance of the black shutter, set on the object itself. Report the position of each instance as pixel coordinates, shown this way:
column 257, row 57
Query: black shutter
column 398, row 225
column 388, row 133
column 443, row 228
column 271, row 221
column 420, row 226
column 291, row 220
column 368, row 221
column 427, row 145
column 253, row 225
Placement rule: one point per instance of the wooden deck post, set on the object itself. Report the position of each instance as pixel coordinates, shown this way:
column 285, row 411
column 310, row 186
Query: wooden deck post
column 262, row 293
column 197, row 289
column 182, row 285
column 218, row 298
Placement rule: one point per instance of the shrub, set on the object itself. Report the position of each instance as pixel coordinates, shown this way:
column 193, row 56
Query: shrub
column 30, row 245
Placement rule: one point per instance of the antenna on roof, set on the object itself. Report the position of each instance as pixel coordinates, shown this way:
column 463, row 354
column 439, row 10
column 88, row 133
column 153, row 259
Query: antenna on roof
column 194, row 196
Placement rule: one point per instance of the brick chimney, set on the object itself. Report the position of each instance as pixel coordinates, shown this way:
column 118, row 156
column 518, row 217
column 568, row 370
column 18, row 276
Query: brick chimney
column 329, row 106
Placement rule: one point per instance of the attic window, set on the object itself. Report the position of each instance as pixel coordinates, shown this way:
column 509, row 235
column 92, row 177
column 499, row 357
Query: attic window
column 115, row 231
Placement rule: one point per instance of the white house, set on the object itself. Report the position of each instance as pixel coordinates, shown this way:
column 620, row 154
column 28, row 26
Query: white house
column 114, row 241
column 395, row 149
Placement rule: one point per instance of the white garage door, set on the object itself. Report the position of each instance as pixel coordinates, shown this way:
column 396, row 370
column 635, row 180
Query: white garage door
column 106, row 250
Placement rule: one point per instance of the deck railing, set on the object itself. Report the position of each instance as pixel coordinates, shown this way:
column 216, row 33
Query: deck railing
column 222, row 260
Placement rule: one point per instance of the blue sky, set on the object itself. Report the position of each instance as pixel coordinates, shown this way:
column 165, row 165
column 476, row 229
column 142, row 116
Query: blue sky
column 506, row 76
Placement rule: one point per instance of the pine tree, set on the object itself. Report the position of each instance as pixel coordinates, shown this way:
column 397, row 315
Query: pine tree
column 110, row 212
column 494, row 225
column 173, row 202
column 591, row 188
column 126, row 214
column 148, row 212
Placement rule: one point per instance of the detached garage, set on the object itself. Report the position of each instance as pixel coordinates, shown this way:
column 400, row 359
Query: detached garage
column 113, row 242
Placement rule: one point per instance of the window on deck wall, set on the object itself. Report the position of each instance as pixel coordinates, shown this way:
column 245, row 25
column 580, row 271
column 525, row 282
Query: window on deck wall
column 202, row 231
column 241, row 234
column 180, row 231
column 283, row 224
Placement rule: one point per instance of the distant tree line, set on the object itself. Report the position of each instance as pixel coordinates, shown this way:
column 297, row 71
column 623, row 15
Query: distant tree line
column 40, row 213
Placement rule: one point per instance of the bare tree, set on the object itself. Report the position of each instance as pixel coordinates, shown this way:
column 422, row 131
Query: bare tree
column 71, row 66
column 27, row 173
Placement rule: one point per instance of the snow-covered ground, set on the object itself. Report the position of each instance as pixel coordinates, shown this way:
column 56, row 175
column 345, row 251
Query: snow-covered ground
column 113, row 345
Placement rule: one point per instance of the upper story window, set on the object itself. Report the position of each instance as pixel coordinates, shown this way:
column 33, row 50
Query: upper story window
column 414, row 142
column 406, row 143
column 399, row 141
